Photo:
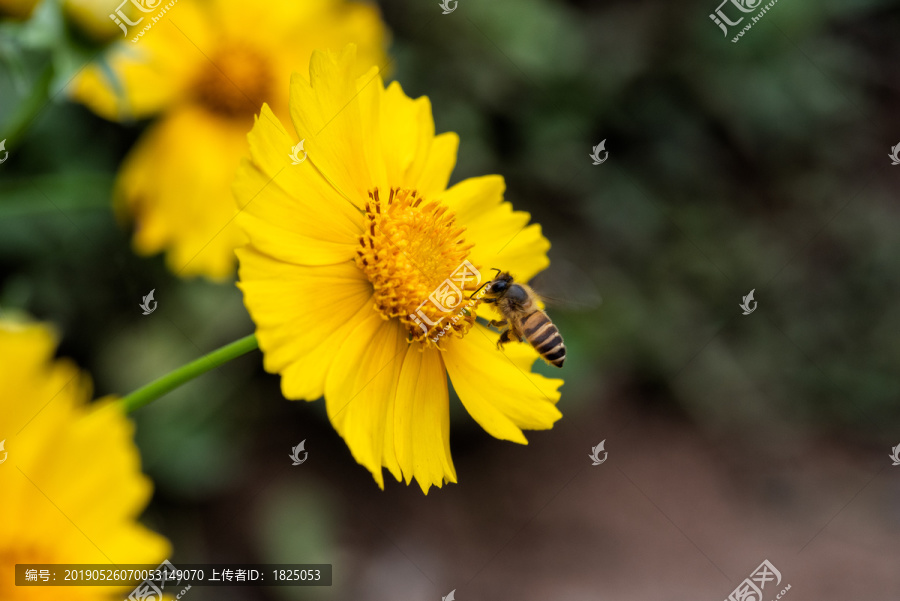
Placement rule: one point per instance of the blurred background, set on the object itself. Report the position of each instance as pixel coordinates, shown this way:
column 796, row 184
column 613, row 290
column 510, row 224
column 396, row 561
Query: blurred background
column 758, row 165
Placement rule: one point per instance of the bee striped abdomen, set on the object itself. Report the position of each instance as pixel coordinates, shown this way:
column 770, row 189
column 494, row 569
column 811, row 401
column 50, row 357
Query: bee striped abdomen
column 540, row 332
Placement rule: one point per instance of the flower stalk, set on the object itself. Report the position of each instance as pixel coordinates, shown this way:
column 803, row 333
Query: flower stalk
column 172, row 380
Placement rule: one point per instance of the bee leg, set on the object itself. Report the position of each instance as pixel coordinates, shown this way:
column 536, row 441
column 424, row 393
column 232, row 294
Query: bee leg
column 504, row 338
column 498, row 323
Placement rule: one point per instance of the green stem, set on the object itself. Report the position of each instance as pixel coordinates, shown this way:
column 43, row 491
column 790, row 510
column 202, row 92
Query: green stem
column 185, row 373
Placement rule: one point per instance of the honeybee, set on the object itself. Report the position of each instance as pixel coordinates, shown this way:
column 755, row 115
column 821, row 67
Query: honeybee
column 523, row 318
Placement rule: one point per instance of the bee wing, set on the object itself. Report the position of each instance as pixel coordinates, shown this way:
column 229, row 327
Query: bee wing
column 568, row 287
column 543, row 300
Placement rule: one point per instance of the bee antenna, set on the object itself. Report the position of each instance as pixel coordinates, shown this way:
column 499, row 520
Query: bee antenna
column 479, row 288
column 486, row 283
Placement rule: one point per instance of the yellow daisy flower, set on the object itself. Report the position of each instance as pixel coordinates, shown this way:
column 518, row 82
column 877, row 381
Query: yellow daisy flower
column 70, row 481
column 345, row 246
column 208, row 66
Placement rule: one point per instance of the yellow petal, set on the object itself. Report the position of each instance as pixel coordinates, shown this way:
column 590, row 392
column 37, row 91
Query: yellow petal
column 438, row 166
column 28, row 347
column 179, row 195
column 335, row 113
column 422, row 419
column 50, row 432
column 407, row 130
column 360, row 391
column 288, row 211
column 497, row 387
column 303, row 315
column 501, row 236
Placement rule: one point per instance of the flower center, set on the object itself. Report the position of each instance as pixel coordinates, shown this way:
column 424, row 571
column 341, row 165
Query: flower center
column 235, row 83
column 414, row 254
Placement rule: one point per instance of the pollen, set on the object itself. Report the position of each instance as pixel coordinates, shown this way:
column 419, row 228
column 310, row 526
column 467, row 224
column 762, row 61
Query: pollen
column 234, row 82
column 414, row 253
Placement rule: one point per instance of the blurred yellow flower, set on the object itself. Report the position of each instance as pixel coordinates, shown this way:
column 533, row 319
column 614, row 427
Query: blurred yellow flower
column 208, row 67
column 343, row 249
column 70, row 485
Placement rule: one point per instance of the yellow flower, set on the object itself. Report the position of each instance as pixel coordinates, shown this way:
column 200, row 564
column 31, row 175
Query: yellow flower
column 208, row 66
column 70, row 481
column 347, row 244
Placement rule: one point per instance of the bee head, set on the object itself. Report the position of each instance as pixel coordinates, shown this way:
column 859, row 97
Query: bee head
column 497, row 286
column 500, row 284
